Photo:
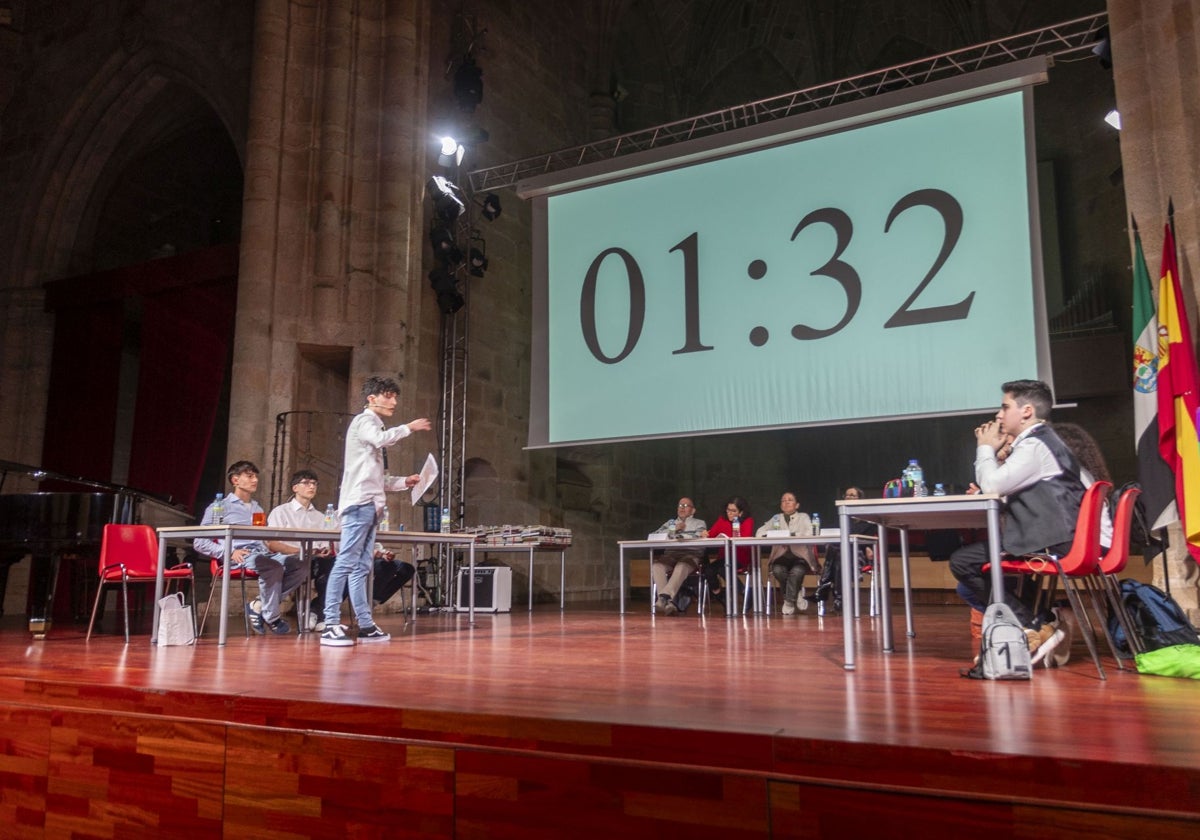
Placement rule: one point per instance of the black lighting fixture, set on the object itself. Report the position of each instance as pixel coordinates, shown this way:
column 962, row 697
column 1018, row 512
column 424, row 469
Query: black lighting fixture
column 448, row 201
column 442, row 239
column 491, row 207
column 449, row 299
column 477, row 261
column 468, row 84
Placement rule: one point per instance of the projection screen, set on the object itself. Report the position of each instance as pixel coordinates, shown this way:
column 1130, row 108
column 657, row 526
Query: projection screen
column 872, row 260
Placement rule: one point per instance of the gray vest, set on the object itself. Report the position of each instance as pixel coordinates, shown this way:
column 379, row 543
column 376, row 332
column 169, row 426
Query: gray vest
column 1043, row 515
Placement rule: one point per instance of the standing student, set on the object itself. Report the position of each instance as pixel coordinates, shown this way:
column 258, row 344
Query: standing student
column 364, row 483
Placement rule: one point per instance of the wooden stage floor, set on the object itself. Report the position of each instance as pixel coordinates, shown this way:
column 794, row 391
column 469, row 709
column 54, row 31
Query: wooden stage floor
column 584, row 723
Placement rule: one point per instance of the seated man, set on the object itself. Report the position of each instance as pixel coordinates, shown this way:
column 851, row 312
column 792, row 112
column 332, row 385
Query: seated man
column 299, row 512
column 1043, row 488
column 678, row 563
column 277, row 574
column 790, row 563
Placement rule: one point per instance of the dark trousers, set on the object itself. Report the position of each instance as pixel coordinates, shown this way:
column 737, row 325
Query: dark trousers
column 390, row 578
column 966, row 564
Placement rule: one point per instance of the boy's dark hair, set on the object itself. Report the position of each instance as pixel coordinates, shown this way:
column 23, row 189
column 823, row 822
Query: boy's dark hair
column 376, row 385
column 239, row 467
column 301, row 475
column 1032, row 392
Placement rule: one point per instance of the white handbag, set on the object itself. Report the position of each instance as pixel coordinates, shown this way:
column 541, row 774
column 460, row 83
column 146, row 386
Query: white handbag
column 175, row 623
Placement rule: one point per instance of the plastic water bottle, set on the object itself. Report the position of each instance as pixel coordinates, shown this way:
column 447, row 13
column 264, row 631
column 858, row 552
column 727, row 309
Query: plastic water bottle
column 445, row 520
column 218, row 510
column 915, row 478
column 816, row 523
column 939, row 490
column 737, row 526
column 328, row 517
column 383, row 520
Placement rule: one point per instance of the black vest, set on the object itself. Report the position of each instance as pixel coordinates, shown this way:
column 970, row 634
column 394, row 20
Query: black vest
column 1044, row 514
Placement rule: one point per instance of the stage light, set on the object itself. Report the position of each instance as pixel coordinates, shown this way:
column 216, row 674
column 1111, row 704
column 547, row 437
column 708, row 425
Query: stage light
column 452, row 152
column 1113, row 118
column 491, row 207
column 477, row 262
column 449, row 300
column 468, row 84
column 442, row 239
column 447, row 198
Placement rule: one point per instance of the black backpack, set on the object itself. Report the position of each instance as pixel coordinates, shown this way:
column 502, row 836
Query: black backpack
column 1157, row 619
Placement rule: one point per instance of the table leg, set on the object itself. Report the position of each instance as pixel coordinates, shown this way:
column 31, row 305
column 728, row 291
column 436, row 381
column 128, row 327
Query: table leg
column 562, row 580
column 471, row 584
column 907, row 574
column 848, row 576
column 885, row 585
column 221, row 624
column 621, row 574
column 531, row 580
column 993, row 529
column 158, row 590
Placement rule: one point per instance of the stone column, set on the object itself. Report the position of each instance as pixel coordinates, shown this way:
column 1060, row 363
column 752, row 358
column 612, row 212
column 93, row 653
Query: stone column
column 331, row 234
column 1156, row 67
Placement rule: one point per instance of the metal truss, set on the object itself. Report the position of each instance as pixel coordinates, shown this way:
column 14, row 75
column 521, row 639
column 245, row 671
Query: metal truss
column 1067, row 38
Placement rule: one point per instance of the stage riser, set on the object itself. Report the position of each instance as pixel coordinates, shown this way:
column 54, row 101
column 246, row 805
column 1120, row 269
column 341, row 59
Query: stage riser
column 94, row 772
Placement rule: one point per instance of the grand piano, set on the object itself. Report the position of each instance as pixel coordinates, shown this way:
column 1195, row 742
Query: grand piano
column 66, row 524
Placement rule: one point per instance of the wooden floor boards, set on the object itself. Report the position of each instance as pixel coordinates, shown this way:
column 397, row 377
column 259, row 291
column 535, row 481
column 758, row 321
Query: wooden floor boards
column 584, row 723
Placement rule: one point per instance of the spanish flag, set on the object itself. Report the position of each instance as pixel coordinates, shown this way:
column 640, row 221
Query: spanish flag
column 1178, row 395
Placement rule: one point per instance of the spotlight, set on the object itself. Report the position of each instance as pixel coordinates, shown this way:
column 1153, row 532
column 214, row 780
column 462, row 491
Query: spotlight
column 1103, row 49
column 445, row 287
column 477, row 262
column 447, row 198
column 468, row 84
column 1113, row 118
column 452, row 152
column 491, row 207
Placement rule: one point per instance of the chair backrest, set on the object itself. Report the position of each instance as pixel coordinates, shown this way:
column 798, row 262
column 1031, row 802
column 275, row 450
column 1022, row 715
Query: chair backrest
column 1084, row 556
column 134, row 545
column 1114, row 560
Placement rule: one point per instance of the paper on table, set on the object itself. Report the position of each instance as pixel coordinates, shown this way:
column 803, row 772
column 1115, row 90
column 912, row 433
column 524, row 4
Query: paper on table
column 428, row 475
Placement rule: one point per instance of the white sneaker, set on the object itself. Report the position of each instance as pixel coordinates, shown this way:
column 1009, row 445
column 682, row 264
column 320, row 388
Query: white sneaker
column 336, row 636
column 313, row 618
column 801, row 599
column 789, row 608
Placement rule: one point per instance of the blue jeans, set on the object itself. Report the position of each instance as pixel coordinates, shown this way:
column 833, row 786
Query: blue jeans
column 353, row 564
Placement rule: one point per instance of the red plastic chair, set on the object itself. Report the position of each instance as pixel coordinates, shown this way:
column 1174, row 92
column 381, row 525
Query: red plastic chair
column 129, row 554
column 239, row 573
column 1080, row 563
column 1114, row 561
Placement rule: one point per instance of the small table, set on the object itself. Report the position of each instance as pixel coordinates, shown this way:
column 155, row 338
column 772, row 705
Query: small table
column 828, row 536
column 531, row 549
column 917, row 513
column 669, row 545
column 304, row 536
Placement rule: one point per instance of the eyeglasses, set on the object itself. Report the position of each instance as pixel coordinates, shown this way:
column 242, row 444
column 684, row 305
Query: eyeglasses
column 732, row 510
column 311, row 481
column 681, row 507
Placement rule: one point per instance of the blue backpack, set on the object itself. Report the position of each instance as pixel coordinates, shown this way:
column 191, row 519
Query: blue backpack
column 1157, row 619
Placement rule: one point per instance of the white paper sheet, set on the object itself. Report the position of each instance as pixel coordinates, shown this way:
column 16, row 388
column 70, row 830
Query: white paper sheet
column 428, row 475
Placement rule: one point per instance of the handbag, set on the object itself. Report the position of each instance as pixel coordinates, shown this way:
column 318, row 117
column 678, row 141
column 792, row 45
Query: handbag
column 175, row 623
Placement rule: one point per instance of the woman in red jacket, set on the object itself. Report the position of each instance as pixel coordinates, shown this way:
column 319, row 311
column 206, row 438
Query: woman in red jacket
column 737, row 515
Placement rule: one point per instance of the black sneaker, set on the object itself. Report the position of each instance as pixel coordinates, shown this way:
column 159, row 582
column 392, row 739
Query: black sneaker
column 279, row 627
column 335, row 636
column 372, row 634
column 255, row 618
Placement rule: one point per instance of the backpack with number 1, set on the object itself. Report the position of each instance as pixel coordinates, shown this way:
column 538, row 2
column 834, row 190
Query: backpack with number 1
column 1004, row 653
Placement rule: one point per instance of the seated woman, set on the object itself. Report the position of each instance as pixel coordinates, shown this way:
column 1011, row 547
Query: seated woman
column 830, row 585
column 713, row 569
column 790, row 563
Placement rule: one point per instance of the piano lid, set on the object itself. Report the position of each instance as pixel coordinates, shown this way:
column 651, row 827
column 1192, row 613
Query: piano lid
column 129, row 504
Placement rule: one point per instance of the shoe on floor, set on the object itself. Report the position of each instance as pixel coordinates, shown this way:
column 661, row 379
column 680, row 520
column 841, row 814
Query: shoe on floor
column 336, row 636
column 802, row 600
column 789, row 608
column 255, row 617
column 1068, row 624
column 1037, row 638
column 279, row 627
column 660, row 607
column 314, row 618
column 671, row 608
column 1045, row 651
column 372, row 634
